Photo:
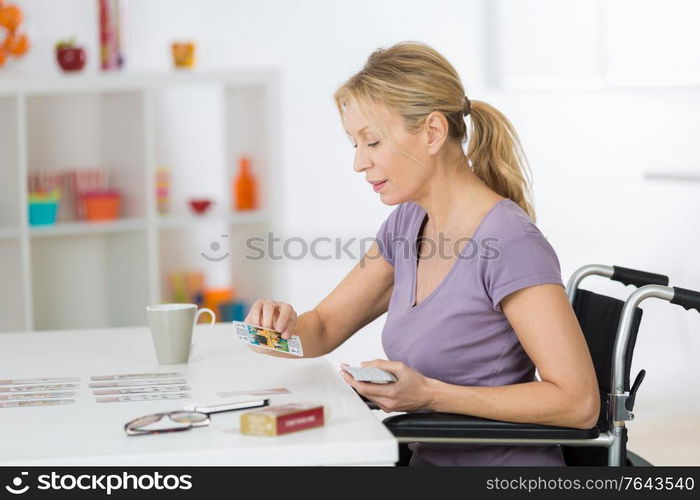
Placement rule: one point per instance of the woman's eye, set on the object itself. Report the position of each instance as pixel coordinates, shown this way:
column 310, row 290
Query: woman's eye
column 369, row 145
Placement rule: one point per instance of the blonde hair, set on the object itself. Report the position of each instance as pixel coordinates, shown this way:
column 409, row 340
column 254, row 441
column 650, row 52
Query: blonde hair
column 415, row 80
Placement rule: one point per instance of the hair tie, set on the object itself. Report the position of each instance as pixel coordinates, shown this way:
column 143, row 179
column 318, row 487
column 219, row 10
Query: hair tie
column 467, row 106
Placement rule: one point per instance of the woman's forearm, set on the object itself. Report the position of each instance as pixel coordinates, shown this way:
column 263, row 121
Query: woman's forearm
column 311, row 331
column 539, row 402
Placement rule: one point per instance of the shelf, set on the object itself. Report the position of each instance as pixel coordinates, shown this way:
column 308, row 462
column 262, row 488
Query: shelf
column 673, row 176
column 7, row 233
column 246, row 218
column 177, row 221
column 82, row 228
column 133, row 224
column 58, row 83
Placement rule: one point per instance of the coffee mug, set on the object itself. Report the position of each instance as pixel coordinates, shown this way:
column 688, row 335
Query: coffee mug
column 171, row 330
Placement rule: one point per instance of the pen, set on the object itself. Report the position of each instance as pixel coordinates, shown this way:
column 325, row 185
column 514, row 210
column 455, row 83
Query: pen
column 237, row 405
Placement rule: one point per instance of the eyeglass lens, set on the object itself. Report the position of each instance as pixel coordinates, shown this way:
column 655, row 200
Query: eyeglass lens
column 188, row 417
column 144, row 421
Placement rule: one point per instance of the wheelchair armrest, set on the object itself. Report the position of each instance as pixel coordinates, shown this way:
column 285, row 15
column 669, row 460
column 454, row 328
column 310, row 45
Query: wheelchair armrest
column 451, row 426
column 370, row 404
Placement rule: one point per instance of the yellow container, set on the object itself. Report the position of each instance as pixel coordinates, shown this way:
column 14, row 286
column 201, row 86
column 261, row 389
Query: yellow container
column 183, row 54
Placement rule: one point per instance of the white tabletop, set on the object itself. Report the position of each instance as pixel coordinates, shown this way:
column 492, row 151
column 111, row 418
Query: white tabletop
column 87, row 432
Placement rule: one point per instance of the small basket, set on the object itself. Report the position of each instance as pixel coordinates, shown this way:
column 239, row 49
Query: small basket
column 43, row 208
column 101, row 205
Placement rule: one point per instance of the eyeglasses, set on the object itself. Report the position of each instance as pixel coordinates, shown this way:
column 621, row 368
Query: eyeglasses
column 187, row 418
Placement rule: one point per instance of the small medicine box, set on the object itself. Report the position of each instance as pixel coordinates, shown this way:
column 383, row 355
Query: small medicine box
column 282, row 419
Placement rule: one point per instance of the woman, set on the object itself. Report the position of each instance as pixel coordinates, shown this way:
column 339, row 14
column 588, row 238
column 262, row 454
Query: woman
column 471, row 314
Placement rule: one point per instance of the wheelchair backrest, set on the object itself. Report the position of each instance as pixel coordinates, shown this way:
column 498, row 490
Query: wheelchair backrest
column 599, row 316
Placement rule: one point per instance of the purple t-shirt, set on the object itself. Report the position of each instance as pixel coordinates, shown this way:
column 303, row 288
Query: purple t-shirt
column 458, row 333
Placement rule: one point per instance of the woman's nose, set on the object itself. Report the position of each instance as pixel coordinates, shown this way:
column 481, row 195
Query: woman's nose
column 361, row 162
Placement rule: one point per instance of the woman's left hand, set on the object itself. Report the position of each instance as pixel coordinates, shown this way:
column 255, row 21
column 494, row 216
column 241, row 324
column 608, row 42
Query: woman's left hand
column 412, row 391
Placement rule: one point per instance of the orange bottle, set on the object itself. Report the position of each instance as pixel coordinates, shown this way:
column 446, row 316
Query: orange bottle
column 245, row 186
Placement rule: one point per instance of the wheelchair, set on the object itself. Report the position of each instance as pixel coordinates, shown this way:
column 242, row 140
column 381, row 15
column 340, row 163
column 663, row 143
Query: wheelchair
column 610, row 327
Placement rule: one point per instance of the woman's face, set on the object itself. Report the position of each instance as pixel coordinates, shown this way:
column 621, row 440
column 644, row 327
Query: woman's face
column 383, row 160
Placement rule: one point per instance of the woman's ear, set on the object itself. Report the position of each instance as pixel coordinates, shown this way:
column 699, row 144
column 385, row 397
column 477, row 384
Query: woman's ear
column 436, row 129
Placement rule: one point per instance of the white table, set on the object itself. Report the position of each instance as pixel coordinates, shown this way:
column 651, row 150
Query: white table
column 87, row 432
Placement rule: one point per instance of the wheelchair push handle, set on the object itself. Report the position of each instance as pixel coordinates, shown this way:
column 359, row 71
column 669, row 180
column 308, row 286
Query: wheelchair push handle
column 637, row 278
column 688, row 299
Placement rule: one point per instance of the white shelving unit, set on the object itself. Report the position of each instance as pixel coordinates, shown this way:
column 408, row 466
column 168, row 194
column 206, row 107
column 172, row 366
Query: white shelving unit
column 81, row 274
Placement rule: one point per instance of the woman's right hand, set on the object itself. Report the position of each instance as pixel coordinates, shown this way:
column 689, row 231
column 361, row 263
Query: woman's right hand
column 274, row 315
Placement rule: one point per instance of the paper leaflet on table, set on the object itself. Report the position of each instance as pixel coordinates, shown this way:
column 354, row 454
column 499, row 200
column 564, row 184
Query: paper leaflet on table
column 39, row 380
column 132, row 383
column 141, row 397
column 37, row 395
column 130, row 376
column 143, row 390
column 41, row 402
column 42, row 387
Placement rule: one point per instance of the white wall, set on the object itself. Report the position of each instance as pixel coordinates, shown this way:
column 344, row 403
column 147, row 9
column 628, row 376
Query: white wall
column 587, row 148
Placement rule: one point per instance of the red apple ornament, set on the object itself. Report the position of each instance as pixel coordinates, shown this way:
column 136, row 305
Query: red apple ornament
column 70, row 57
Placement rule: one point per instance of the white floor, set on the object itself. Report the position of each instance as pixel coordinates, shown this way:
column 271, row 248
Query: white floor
column 667, row 441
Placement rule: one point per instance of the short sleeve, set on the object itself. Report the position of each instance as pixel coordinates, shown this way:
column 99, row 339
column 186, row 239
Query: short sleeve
column 387, row 235
column 521, row 261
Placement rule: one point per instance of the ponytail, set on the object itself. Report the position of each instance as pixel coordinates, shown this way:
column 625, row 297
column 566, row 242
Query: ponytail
column 496, row 156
